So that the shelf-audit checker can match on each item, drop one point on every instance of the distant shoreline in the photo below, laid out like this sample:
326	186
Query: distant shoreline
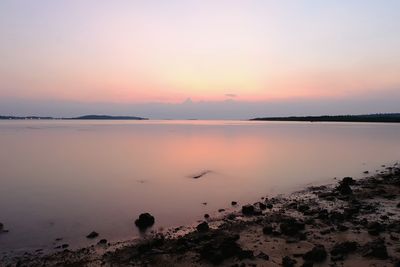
85	117
388	118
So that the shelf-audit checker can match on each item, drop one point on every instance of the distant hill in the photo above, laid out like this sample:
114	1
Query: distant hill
86	117
388	117
105	117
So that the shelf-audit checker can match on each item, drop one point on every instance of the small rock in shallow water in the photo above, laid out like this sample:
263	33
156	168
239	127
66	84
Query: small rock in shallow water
144	221
202	227
102	242
344	189
92	235
288	262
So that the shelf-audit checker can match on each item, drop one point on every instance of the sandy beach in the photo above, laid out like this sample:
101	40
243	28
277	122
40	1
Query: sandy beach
354	222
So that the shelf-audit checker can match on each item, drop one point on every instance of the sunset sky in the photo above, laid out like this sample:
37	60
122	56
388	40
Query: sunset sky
149	57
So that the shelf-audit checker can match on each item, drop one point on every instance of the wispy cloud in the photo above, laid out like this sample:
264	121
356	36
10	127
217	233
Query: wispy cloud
231	95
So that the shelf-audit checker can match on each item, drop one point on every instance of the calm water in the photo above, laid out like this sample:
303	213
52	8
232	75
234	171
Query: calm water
67	178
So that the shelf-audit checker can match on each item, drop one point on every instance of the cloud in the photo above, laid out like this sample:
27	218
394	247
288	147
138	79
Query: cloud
230	95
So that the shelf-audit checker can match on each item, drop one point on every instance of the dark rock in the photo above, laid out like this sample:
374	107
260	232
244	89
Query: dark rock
248	210
323	214
233	203
223	247
262	206
263	256
221	210
144	221
92	235
303	208
344	189
336	216
317	254
64	246
206	216
268	229
270	206
375	249
342	228
307	264
366	172
348	181
231	216
326	231
102	242
338	257
374	228
384	217
1	227
288	262
398	205
202	227
344	248
291	226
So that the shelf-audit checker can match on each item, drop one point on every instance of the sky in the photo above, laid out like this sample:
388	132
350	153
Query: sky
199	59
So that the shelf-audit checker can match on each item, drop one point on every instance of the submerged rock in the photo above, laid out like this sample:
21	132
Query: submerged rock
92	235
144	221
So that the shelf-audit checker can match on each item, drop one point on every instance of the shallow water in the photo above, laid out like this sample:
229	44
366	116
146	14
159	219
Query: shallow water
67	178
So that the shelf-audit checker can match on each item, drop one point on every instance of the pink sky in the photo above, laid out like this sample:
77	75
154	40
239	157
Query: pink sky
139	52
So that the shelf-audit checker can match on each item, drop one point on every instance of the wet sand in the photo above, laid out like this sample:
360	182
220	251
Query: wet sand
355	222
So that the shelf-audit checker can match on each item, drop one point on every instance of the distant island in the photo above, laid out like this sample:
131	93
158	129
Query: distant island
85	117
384	117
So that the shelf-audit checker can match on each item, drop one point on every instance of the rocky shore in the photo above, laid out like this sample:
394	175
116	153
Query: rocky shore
355	222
